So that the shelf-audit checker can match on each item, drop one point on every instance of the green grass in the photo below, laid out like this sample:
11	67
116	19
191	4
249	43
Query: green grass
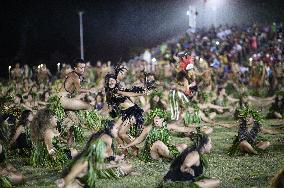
239	171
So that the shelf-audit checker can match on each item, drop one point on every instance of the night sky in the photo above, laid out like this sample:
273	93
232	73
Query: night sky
40	31
36	30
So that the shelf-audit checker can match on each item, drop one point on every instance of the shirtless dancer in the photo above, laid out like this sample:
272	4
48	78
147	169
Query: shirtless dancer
71	87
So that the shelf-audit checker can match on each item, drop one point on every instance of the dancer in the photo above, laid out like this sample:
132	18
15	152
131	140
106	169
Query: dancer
157	137
180	95
21	136
71	93
121	105
96	160
189	165
247	140
47	151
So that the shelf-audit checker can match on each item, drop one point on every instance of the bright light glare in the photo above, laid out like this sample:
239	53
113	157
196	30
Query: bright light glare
187	12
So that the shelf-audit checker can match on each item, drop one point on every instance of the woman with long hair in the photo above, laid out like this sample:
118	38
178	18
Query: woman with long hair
157	137
121	105
190	164
48	149
97	159
21	137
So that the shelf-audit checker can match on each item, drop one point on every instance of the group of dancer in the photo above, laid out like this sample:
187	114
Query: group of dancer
46	136
129	114
128	129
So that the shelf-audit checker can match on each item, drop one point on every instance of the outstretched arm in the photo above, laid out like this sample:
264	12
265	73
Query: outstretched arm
78	88
140	138
130	94
231	99
180	129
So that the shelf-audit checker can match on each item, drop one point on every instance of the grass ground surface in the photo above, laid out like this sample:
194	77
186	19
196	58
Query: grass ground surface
240	171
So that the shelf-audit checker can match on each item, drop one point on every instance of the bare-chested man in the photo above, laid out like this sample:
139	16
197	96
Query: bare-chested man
43	74
72	86
17	73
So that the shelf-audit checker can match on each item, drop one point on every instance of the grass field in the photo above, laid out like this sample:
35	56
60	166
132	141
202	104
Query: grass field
238	171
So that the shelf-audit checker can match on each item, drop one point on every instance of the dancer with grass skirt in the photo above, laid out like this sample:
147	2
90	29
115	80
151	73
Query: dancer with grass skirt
121	105
48	150
9	176
21	135
71	93
97	160
248	140
189	165
157	137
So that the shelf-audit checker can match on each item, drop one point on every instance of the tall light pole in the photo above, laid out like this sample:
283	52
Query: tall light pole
192	13
81	34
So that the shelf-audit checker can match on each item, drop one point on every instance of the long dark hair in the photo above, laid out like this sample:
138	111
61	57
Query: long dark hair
200	140
109	124
40	123
109	91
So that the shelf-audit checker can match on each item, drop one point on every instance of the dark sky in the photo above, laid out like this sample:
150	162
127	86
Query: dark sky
35	31
38	29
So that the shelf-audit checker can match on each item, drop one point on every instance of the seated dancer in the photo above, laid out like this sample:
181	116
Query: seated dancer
8	174
71	87
121	105
97	158
44	136
181	94
157	137
190	164
247	140
21	136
